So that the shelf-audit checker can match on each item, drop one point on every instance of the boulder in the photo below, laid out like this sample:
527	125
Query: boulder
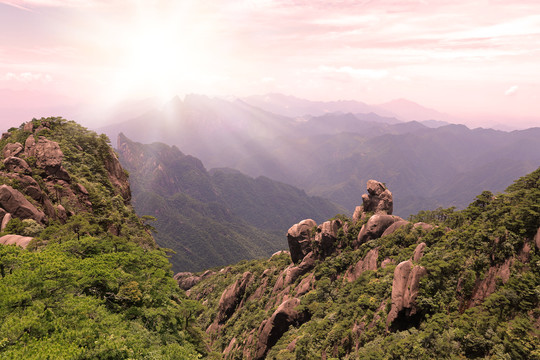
395	226
293	273
5	220
18	165
30	146
369	262
299	238
49	158
29	127
232	296
187	280
12	149
61	213
404	290
537	238
424	226
375	227
418	252
326	237
18	240
272	329
378	200
15	203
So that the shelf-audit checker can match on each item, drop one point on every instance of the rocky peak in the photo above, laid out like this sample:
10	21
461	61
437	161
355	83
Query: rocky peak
378	200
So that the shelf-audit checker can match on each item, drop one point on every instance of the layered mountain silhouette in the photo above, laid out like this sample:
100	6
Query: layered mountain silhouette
212	218
335	147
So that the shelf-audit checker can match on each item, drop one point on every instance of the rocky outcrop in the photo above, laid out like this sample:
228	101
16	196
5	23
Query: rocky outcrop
117	175
232	296
12	149
187	280
537	238
5	220
17	165
272	329
299	238
15	203
325	241
378	200
369	262
375	227
404	291
30	146
292	273
394	227
18	240
49	158
488	284
418	252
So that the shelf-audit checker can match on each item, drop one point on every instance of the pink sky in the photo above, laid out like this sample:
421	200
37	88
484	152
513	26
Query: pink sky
474	59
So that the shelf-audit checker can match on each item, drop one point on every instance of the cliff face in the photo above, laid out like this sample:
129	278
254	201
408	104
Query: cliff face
446	283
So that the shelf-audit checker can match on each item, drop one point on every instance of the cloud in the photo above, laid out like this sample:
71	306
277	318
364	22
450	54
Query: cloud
29	4
511	90
27	77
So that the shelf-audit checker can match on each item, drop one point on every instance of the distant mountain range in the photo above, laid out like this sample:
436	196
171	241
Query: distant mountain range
333	148
212	218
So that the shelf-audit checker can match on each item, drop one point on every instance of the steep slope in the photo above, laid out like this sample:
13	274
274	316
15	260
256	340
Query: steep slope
446	284
212	218
83	278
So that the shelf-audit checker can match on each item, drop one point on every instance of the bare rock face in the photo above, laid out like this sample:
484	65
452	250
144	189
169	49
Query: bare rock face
487	285
117	175
326	237
272	329
49	158
232	296
368	263
12	149
187	280
537	239
28	127
394	227
30	146
5	220
18	240
293	273
375	227
15	203
18	165
299	238
419	252
404	291
378	199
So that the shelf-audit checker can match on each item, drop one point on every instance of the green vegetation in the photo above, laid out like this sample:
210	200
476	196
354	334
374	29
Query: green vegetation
212	218
93	285
455	318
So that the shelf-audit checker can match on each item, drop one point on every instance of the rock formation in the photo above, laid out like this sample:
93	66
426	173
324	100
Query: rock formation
404	291
231	297
15	203
299	238
272	329
325	241
18	240
378	200
375	227
369	262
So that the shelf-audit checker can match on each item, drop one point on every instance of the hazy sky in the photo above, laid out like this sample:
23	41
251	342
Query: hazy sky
457	56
